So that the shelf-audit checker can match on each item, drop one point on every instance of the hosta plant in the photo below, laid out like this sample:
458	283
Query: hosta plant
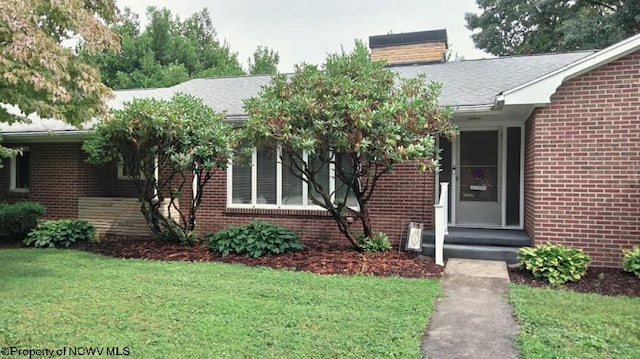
556	264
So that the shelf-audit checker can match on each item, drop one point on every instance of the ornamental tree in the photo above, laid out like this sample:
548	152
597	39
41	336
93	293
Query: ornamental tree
180	140
39	74
355	116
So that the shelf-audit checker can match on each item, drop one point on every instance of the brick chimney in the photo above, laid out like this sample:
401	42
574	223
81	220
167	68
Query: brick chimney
412	48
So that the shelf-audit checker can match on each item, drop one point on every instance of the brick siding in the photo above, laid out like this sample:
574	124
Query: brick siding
582	171
59	175
411	53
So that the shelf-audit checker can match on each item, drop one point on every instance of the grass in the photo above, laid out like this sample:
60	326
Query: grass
54	298
564	324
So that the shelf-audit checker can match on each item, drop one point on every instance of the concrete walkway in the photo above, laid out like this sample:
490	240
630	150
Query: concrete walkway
473	318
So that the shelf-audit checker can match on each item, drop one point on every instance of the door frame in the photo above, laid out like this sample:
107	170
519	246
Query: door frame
502	127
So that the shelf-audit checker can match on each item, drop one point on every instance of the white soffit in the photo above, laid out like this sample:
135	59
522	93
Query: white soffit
540	90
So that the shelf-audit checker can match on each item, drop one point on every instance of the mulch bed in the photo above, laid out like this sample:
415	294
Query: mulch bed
605	281
322	257
336	257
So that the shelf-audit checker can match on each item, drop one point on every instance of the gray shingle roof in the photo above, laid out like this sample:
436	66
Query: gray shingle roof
465	83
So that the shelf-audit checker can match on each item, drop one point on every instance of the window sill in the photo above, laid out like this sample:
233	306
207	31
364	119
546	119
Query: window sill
309	212
19	192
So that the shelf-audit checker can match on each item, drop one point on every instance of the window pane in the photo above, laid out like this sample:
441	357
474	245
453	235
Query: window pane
291	185
241	183
322	178
342	189
266	177
22	170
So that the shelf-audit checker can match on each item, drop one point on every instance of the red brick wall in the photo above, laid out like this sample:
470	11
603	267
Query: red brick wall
583	163
401	197
59	175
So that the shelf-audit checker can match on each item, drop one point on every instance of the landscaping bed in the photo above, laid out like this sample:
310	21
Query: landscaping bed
322	257
605	281
336	257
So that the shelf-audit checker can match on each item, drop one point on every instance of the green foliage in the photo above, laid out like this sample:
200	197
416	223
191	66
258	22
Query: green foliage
631	261
42	76
255	239
377	243
264	61
556	264
167	52
183	137
351	112
17	220
61	233
512	27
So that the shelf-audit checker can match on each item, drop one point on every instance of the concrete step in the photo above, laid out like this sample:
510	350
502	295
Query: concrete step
492	253
472	243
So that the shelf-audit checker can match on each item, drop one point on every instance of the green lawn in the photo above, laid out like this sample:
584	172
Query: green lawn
54	298
563	324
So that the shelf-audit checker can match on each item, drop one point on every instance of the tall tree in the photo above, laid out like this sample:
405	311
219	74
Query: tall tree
168	51
511	27
39	74
264	62
352	114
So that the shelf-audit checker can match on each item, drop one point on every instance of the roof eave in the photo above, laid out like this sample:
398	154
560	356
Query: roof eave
539	91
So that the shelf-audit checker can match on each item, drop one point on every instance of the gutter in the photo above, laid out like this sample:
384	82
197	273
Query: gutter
45	136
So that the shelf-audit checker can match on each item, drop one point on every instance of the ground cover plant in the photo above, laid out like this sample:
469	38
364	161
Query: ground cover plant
55	298
566	324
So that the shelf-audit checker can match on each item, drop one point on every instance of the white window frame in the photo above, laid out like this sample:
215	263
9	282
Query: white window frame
123	176
14	173
306	203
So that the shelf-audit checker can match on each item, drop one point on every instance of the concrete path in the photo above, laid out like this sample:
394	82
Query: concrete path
473	318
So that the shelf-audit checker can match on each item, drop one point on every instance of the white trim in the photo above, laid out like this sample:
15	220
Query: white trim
305	206
502	181
279	176
254	177
13	172
540	90
522	149
124	177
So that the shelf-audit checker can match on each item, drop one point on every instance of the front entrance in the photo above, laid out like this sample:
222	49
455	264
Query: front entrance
477	192
484	168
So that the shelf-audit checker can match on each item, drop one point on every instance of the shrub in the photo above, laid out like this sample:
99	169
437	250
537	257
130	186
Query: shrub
377	243
631	261
255	239
17	220
556	264
61	233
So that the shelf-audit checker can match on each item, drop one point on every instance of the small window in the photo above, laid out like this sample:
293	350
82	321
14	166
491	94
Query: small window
20	171
123	174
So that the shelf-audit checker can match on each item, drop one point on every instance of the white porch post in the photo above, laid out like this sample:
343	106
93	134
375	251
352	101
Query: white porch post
441	210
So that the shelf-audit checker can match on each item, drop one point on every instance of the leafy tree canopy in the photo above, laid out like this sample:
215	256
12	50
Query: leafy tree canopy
169	51
39	75
355	115
183	137
512	27
265	61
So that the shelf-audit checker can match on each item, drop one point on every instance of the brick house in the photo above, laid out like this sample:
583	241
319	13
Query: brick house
549	150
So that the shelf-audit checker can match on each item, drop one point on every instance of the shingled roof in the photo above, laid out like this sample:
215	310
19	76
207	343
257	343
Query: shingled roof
465	84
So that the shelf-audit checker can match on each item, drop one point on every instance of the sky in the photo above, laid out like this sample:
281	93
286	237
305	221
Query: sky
306	31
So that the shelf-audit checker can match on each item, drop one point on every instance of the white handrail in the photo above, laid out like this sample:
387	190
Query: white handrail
441	222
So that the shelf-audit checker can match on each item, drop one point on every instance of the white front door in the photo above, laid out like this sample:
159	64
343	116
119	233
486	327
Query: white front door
478	178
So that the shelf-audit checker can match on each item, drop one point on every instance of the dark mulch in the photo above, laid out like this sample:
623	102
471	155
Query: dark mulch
605	281
336	257
322	257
